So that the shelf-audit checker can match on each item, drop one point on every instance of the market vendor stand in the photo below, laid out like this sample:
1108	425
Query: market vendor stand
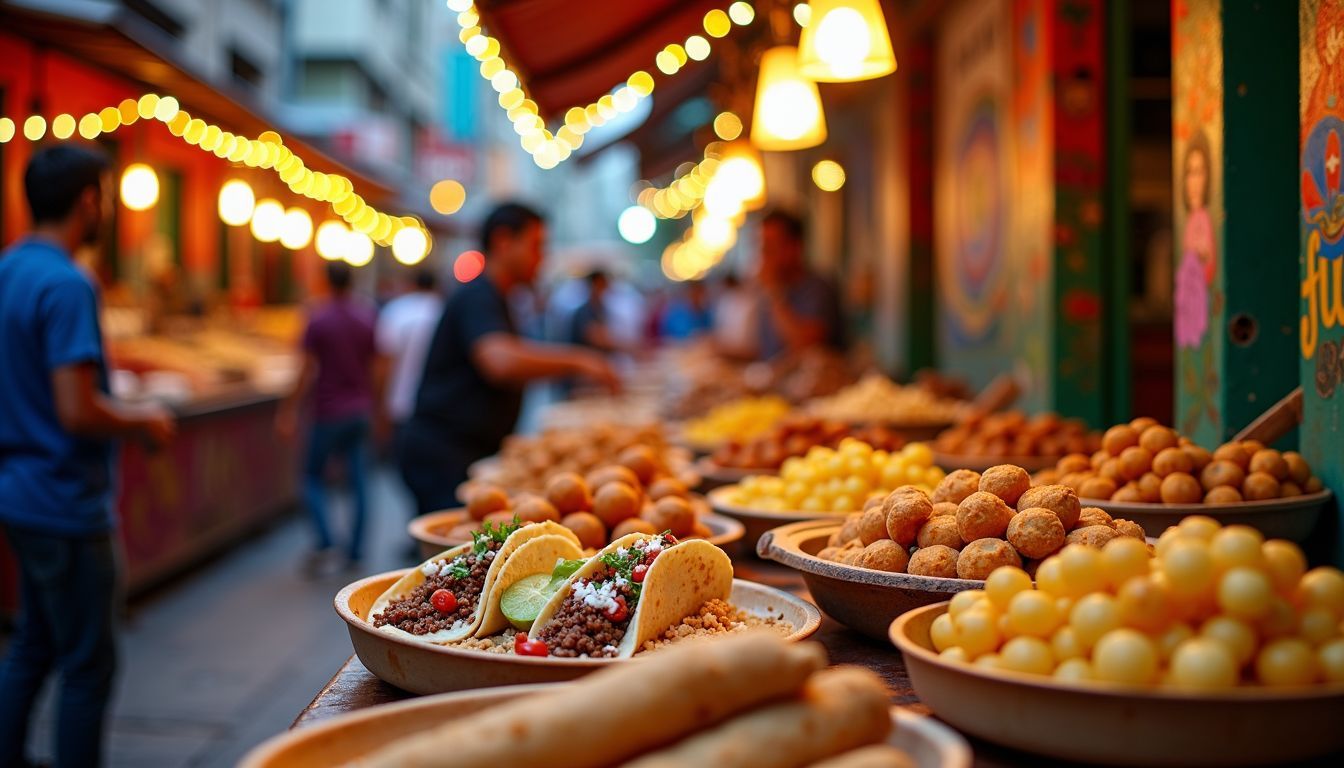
353	687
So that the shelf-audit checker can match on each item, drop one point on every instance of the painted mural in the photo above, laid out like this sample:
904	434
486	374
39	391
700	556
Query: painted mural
1197	112
973	178
1321	325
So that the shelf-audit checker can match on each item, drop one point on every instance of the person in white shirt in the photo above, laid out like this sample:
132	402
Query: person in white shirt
405	327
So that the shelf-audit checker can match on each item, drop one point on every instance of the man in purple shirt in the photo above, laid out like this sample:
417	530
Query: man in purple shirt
338	371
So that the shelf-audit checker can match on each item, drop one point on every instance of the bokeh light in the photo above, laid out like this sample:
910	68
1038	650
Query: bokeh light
297	231
447	197
468	266
828	175
236	201
636	225
139	187
268	220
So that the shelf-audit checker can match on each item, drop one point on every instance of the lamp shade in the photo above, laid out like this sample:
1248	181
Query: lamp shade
845	40
788	112
741	167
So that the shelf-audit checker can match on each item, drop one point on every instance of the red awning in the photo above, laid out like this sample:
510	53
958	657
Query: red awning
570	54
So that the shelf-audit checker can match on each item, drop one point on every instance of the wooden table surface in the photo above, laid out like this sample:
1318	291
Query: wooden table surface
353	687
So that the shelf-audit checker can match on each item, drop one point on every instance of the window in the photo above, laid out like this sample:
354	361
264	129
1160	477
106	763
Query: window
244	70
155	15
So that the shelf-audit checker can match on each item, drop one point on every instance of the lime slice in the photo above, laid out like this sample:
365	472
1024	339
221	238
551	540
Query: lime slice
522	601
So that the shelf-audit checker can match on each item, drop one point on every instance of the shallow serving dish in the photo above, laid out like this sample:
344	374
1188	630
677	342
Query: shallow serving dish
431	531
1120	725
1292	518
951	461
421	667
337	741
758	521
860	598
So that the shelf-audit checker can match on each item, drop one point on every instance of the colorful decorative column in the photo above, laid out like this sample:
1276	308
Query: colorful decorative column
1233	68
1321	298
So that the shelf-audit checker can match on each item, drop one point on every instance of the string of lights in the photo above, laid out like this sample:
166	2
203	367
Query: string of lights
550	149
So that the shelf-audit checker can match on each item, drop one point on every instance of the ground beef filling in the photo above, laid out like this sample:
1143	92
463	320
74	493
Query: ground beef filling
579	629
416	615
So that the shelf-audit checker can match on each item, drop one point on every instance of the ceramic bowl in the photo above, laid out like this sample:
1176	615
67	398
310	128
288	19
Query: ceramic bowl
1120	725
860	598
1292	518
346	738
431	531
421	667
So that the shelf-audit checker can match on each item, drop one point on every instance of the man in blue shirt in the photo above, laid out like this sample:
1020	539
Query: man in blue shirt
57	422
801	310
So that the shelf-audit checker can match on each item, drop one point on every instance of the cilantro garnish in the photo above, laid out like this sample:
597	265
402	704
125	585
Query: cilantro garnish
489	532
459	570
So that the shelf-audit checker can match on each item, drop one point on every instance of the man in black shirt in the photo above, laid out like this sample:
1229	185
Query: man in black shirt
472	387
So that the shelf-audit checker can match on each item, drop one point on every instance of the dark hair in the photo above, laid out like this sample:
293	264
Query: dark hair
1198	142
791	224
57	176
597	275
339	276
512	217
426	279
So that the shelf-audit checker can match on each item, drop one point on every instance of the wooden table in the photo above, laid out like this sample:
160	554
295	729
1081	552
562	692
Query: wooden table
353	687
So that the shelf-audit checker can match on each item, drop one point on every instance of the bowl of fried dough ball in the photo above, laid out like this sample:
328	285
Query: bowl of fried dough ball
911	548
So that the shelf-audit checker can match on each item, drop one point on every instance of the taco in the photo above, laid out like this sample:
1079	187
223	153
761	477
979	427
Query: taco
631	592
455	594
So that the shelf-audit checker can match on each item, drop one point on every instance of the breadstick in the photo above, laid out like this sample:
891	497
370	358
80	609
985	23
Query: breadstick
838	710
876	756
616	714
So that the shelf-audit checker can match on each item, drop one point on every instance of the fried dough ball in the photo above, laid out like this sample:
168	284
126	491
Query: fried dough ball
641	460
979	558
938	560
872	526
613	473
1272	463
907	508
873	500
1098	488
1234	453
1094	516
981	516
1223	494
1199	457
672	514
1130	529
1094	536
535	509
1150	488
1181	488
828	553
1118	438
851	553
632	525
849	530
589	529
1259	486
1059	499
701	531
1221	472
1074	462
939	530
1251	447
1298	469
1156	438
1170	460
884	555
1129	492
957	485
944	508
1289	489
1142	423
1112	470
1313	485
486	499
1035	532
615	502
668	486
1006	481
1073	480
1098	458
568	493
1135	460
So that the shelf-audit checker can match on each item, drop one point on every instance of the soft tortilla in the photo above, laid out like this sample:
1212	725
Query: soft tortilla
537	555
415	577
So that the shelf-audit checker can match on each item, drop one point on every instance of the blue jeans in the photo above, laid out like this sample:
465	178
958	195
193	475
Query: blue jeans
68	587
346	438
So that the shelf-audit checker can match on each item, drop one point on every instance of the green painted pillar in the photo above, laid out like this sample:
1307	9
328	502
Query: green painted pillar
1235	123
1320	323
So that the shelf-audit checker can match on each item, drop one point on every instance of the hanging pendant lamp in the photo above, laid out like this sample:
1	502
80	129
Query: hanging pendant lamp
788	113
844	41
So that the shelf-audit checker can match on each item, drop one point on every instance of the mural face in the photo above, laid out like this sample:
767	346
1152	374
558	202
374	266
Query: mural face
1197	111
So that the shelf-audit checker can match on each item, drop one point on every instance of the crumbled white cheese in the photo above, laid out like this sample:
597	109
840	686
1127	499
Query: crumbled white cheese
654	544
609	648
602	597
490	554
622	551
430	568
621	581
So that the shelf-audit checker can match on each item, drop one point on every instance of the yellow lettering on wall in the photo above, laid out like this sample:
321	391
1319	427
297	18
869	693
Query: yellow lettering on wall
1323	289
1310	324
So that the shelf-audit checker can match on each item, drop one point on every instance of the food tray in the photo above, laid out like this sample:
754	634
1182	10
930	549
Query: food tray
1292	518
860	598
431	531
1120	725
348	737
421	667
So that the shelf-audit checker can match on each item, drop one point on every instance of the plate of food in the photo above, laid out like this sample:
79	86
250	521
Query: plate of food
913	549
1200	661
1155	476
982	440
528	462
520	604
748	700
